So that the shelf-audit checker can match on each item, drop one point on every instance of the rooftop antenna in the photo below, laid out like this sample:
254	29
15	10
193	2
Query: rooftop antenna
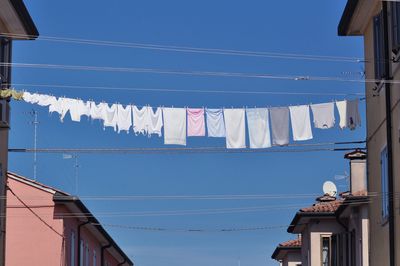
76	166
330	188
35	124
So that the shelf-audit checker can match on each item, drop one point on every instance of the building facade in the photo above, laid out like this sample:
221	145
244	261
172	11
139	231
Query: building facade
15	24
378	22
288	253
335	231
46	226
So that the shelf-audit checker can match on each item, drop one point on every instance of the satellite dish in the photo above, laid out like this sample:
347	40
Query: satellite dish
329	188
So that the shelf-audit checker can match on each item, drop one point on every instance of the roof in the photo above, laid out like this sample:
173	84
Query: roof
282	248
353	200
16	22
330	206
344	23
356	155
320	210
61	197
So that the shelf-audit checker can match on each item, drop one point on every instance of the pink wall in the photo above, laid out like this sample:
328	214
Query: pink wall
29	241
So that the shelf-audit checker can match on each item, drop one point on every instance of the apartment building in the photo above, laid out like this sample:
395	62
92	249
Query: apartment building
288	253
335	230
378	22
46	226
15	24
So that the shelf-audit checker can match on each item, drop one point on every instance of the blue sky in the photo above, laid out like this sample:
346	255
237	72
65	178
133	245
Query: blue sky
303	27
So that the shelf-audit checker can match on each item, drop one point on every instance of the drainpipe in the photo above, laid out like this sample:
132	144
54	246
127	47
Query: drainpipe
389	133
79	241
103	248
122	263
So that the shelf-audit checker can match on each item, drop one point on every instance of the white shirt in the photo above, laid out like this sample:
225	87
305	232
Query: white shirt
235	128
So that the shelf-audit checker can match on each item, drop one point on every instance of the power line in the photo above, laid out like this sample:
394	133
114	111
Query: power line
173	150
185	90
185	49
190	72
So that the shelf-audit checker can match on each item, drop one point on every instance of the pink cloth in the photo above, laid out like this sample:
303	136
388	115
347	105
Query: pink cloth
196	125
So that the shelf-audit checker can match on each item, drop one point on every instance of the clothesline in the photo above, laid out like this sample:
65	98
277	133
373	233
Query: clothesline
266	127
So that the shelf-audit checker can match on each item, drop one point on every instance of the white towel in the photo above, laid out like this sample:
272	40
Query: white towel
124	118
215	123
30	97
154	122
280	125
174	126
324	115
301	122
258	125
342	109
235	128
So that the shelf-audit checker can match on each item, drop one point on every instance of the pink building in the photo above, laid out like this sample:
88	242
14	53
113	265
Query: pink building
45	226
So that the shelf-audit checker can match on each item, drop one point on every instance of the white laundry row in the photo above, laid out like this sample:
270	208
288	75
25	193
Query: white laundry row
266	127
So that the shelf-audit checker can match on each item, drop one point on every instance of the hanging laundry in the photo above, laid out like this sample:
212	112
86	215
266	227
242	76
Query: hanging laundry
30	97
324	115
174	126
235	128
301	122
280	125
56	106
258	125
11	93
45	100
110	116
124	118
349	114
97	110
342	109
76	109
196	124
140	120
215	123
155	122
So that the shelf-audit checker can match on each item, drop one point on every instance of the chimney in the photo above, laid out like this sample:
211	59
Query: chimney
358	171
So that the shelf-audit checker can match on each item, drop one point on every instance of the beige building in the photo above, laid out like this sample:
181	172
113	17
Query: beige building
288	253
378	22
15	24
335	231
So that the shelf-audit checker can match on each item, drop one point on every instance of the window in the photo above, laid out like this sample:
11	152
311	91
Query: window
395	10
379	48
94	258
330	250
384	184
72	246
326	251
82	250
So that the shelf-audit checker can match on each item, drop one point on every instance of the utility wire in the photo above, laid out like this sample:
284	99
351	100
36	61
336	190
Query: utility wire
191	73
184	90
185	49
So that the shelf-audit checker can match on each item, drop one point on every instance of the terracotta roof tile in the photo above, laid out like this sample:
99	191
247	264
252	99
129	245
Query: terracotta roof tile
330	206
291	243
